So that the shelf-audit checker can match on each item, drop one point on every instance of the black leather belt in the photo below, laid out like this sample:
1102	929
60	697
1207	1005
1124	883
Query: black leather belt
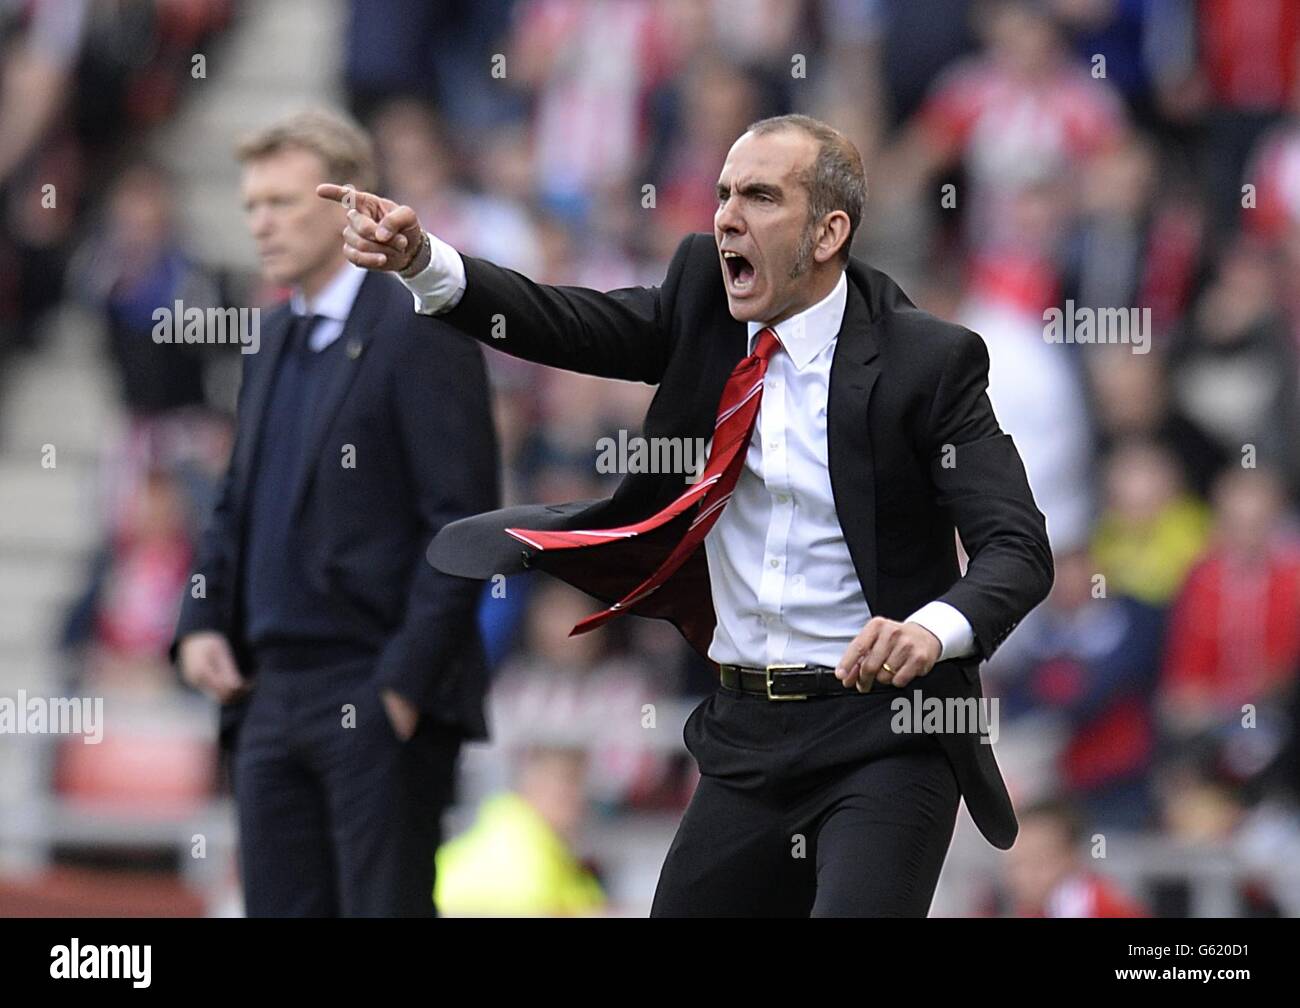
786	682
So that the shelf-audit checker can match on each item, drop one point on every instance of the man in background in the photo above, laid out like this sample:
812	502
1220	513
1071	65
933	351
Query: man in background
1047	875
518	857
349	670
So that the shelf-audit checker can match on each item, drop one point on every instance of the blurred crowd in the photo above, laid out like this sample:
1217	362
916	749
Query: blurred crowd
1022	154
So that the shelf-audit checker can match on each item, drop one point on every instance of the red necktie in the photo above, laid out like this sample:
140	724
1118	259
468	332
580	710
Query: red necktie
737	413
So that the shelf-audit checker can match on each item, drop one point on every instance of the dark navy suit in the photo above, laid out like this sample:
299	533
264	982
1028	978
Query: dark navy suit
347	462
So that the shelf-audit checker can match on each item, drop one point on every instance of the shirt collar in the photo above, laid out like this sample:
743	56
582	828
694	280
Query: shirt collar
335	299
805	335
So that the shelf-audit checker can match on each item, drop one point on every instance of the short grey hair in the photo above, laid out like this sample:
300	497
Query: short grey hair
342	145
836	180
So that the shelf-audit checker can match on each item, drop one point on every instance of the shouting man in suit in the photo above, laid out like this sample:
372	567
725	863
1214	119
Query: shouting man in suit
814	561
348	668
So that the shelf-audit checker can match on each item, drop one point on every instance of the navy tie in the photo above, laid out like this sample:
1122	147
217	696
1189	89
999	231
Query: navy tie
300	330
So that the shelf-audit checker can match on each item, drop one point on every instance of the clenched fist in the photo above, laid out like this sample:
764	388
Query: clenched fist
208	664
909	649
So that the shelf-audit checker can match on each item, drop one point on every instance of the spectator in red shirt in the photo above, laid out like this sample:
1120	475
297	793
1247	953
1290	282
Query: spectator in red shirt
1235	628
1047	875
1248	52
1020	114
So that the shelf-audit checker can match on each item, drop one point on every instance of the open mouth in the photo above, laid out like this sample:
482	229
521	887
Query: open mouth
740	271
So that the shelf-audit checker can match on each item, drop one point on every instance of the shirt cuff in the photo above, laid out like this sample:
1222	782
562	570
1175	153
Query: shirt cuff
956	637
438	287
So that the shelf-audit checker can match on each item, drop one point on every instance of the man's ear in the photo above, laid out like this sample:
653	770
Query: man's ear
834	235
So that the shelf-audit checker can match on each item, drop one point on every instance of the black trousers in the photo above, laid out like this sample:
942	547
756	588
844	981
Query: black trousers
337	817
811	807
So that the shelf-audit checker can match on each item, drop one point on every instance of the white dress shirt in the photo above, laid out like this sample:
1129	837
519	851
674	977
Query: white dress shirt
783	583
437	287
333	304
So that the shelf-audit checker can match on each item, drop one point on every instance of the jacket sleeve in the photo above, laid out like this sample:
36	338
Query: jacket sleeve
443	418
982	485
622	333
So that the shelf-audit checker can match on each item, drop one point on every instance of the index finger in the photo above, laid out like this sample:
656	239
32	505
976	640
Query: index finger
858	647
352	198
330	191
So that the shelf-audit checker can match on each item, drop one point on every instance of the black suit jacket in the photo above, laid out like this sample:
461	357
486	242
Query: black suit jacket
914	450
412	400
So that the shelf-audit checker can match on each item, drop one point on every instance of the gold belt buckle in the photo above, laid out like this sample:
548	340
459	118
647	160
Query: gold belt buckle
783	696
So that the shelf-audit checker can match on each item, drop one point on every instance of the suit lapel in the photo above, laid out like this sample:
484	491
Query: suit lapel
854	371
352	345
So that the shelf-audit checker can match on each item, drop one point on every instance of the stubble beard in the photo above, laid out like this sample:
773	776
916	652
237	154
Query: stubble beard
803	254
